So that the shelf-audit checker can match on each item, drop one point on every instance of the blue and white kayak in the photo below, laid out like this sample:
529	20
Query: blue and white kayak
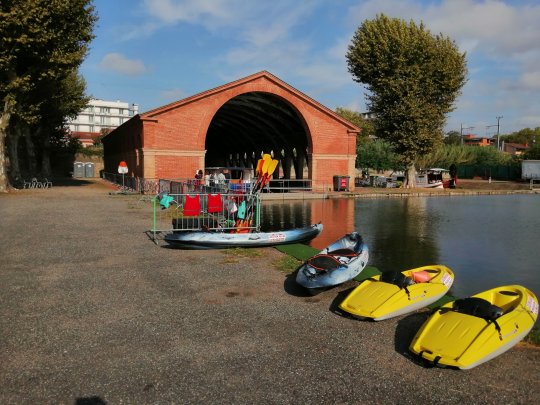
339	262
222	240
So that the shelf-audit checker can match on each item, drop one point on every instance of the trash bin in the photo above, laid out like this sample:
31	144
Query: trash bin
341	183
78	169
88	169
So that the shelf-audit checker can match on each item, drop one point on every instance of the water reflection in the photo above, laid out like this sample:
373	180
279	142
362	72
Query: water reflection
398	228
487	240
336	215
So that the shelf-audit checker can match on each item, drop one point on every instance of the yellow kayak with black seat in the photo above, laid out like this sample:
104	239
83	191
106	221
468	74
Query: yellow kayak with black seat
468	332
396	293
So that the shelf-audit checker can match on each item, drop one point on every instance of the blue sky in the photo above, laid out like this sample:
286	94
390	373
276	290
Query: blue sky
153	52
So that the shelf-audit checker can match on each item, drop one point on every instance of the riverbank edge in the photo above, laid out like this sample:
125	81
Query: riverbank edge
390	193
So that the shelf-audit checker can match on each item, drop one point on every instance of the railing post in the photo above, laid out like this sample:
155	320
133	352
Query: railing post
154	218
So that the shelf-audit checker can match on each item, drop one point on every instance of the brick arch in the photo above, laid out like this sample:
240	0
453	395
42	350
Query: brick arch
255	122
174	135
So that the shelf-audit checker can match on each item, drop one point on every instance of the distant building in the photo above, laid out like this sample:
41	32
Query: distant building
99	115
472	140
514	148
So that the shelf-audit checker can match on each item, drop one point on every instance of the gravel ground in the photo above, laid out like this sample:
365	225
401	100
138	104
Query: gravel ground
93	312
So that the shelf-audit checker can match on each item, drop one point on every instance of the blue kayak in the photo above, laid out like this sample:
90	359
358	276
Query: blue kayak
339	262
223	240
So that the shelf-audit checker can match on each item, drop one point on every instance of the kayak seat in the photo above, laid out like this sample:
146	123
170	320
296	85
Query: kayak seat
357	238
478	307
343	252
396	278
322	262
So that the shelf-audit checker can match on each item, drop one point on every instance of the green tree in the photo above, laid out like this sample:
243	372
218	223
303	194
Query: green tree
367	130
452	138
523	136
533	153
367	127
413	79
42	42
378	155
446	155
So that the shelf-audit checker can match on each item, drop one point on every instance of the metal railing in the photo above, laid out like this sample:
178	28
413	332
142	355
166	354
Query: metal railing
200	186
184	185
289	185
229	213
133	184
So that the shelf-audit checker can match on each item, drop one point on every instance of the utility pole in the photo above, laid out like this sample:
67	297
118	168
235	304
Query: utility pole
498	130
462	128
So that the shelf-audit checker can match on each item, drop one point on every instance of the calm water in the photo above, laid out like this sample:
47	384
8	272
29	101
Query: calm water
487	241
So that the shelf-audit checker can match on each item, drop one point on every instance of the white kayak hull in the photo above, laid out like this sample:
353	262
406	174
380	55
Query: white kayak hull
222	240
348	268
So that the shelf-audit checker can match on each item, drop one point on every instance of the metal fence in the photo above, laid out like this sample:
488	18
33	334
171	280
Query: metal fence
228	212
183	185
180	186
486	172
133	184
289	185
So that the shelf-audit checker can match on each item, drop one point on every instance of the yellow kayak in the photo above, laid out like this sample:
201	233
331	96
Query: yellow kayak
392	294
468	332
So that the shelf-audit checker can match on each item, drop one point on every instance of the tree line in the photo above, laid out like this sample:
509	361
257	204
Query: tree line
379	154
413	78
42	45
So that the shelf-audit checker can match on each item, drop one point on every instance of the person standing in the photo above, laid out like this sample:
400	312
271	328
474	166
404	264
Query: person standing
198	179
221	180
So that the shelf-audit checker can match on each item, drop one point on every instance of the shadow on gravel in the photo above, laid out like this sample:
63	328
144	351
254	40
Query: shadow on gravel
334	305
291	287
405	330
90	401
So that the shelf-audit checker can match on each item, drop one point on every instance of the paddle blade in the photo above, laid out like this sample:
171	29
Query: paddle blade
260	163
267	156
265	166
269	172
272	167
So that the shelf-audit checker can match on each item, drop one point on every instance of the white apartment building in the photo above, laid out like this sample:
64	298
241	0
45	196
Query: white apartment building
100	114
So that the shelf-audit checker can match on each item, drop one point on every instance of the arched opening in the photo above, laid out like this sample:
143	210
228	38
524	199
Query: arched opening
254	123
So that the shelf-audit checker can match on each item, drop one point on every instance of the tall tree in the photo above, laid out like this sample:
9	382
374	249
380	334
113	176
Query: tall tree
378	155
525	135
41	43
366	130
453	138
366	126
412	78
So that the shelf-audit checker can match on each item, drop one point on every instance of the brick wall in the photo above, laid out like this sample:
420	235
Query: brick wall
174	135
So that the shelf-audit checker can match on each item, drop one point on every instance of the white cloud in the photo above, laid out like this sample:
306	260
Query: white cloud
206	12
492	26
138	31
117	62
172	94
501	39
